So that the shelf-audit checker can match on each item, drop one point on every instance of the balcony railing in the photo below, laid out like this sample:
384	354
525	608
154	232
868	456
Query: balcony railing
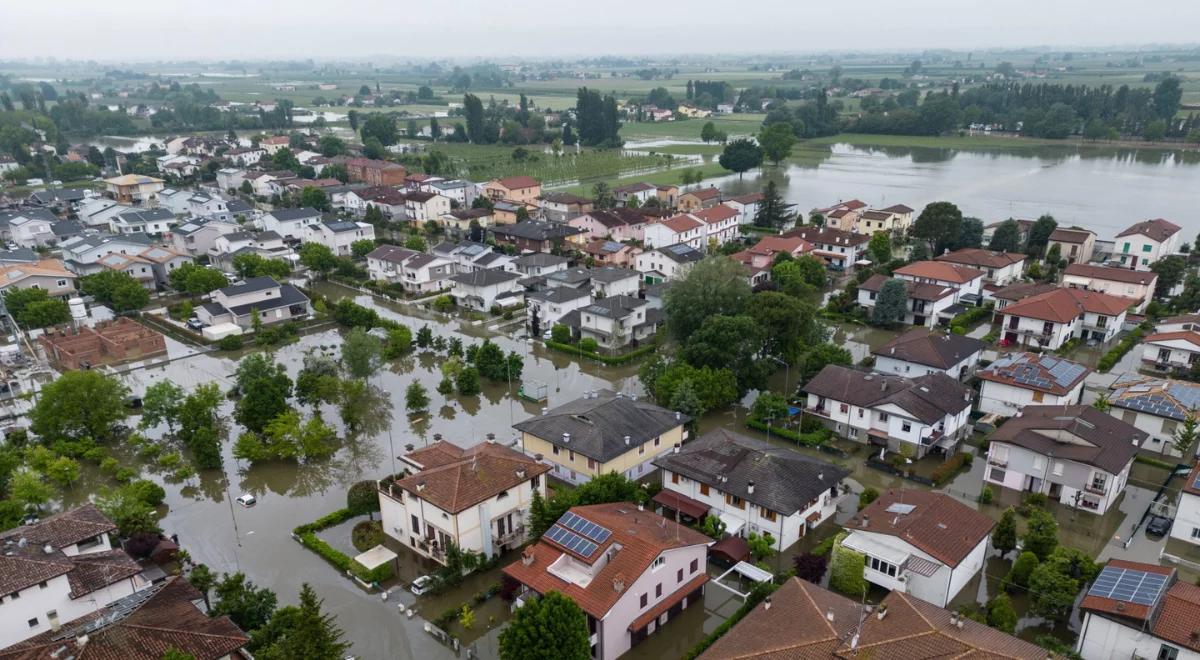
998	462
511	536
1096	490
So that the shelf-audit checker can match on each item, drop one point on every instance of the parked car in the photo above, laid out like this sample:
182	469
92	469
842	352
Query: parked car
421	585
1158	526
547	335
247	500
194	323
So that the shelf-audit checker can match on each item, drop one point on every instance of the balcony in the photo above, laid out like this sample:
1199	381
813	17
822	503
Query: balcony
1095	490
932	438
998	462
820	411
513	536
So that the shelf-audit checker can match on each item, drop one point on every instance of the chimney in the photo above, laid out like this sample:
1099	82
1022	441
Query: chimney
618	583
829	615
491	438
767	603
750	488
866	520
677	415
545	410
420	486
527	556
627	439
967	395
566	438
954	618
820	476
881	613
48	549
81	641
641	507
521	473
437	437
676	449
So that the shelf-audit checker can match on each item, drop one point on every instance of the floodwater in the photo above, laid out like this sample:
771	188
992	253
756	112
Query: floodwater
1103	189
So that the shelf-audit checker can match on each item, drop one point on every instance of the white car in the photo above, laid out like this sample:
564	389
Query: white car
421	585
247	500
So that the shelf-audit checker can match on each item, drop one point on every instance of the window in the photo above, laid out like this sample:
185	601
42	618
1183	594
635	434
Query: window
905	426
882	566
1168	426
591	464
1058	468
1166	652
641	449
734	501
416	525
42	585
1099	480
556	450
860	413
502	494
674	477
766	513
998	474
658	590
16	595
656	440
1196	533
1147	248
1126	248
843	407
694	566
883	417
658	563
536	482
33	623
642	601
1038	396
571	456
704	489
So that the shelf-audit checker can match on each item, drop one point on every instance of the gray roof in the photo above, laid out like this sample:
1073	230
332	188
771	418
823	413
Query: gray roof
147	215
391	253
540	259
18	255
784	481
238	206
615	307
536	231
571	276
96	240
927	398
32	214
485	277
66	228
339	226
288	295
251	285
681	253
559	294
930	348
1111	443
612	274
283	215
597	427
58	194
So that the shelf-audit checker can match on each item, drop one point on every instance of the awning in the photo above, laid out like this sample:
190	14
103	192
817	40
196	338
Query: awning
733	548
682	503
375	557
922	566
813	517
733	523
879	550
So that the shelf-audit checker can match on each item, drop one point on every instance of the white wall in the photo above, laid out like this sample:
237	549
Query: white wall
1187	519
36	602
1008	400
1105	638
890	365
614	631
1059	333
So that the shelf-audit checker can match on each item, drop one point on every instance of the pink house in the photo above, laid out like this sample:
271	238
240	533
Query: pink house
613	224
611	253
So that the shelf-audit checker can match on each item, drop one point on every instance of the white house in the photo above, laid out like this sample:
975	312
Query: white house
631	571
98	211
921	414
1074	454
1136	285
417	272
1016	380
273	302
1135	610
486	288
967	282
746	207
28	228
669	262
999	268
926	304
1187	510
615	322
148	221
925	544
1156	406
546	308
339	235
291	223
679	229
754	487
840	249
421	206
60	569
640	191
231	178
1174	344
469	257
196	237
720	224
81	254
477	499
1050	319
921	351
1146	242
538	264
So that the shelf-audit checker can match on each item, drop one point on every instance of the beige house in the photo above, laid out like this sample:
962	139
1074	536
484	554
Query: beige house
519	189
1136	284
48	274
602	432
133	188
1075	245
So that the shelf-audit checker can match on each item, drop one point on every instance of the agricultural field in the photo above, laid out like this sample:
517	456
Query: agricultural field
484	162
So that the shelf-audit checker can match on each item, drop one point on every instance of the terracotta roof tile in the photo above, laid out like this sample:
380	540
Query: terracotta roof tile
939	524
704	194
940	271
1125	275
716	213
931	348
682	223
1157	229
1065	305
1023	369
480	473
1190	336
1179	618
982	258
518	182
1071	235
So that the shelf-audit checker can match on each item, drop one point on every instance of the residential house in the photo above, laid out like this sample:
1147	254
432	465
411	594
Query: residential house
339	235
901	626
926	304
682	229
274	143
1023	227
698	199
508	213
1074	454
174	199
544	309
516	189
59	569
1076	245
133	265
134	189
420	206
615	322
1178	349
842	216
611	253
486	288
244	157
604	282
29	227
18	256
761	257
966	282
155	221
469	257
1186	527
477	499
721	224
602	432
924	544
1136	610
97	211
237	304
668	196
895	220
753	486
80	255
536	235
266	244
538	264
1133	284
48	275
999	268
1156	406
230	178
1146	242
746	207
1002	297
463	192
629	570
918	415
467	223
163	261
196	237
417	272
62	198
1016	380
618	224
840	249
261	182
921	351
205	205
641	191
65	230
291	223
667	263
1051	319
391	202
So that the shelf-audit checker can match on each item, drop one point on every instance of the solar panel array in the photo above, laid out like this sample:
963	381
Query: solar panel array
571	541
613	246
1043	372
1129	585
586	527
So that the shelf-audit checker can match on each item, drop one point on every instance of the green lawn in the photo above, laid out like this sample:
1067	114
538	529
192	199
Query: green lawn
734	125
483	162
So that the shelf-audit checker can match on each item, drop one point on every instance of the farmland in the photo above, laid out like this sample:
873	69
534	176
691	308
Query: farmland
483	162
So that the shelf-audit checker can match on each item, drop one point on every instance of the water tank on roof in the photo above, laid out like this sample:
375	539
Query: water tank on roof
78	310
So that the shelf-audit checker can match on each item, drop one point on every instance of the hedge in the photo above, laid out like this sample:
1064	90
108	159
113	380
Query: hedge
1113	356
307	535
813	439
971	316
951	467
611	361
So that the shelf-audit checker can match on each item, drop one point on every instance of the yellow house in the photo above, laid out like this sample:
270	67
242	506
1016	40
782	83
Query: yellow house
133	188
519	189
602	432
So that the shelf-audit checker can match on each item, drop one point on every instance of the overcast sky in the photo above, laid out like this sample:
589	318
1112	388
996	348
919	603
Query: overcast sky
228	29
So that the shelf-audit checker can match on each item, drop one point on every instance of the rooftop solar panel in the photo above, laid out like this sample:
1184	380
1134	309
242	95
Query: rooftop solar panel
571	541
1129	585
586	527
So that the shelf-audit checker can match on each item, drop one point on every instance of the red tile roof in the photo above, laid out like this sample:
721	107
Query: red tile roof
1125	275
982	258
518	182
642	536
717	213
1064	305
1189	336
940	271
939	524
899	209
1178	619
682	223
1157	229
483	471
704	194
1071	235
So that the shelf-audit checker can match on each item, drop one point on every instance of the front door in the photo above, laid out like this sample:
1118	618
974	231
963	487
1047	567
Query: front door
1055	492
1010	337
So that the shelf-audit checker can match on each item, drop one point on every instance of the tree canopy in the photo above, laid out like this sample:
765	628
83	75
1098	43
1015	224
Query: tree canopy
552	627
78	405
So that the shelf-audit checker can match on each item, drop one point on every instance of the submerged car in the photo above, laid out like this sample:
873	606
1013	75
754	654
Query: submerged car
247	500
421	585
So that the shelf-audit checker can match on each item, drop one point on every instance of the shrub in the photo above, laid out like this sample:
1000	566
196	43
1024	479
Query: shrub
362	498
1114	355
811	567
866	497
846	571
146	492
949	468
366	535
811	439
822	549
986	495
588	344
1022	568
230	343
560	333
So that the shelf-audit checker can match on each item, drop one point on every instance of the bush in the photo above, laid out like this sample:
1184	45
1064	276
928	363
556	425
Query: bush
846	571
986	495
866	497
230	343
949	468
560	333
362	497
146	492
588	344
812	439
609	360
1018	575
366	535
822	549
1113	356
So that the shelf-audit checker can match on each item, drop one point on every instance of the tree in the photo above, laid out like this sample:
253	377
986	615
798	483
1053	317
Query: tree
1022	568
1055	583
1039	234
314	197
318	257
1006	237
253	265
362	353
846	570
33	308
29	488
361	248
769	405
202	578
777	141
811	567
880	247
78	405
787	324
971	234
363	497
715	285
729	342
129	512
199	426
161	404
891	304
939	225
866	497
197	280
552	627
1185	435
248	606
1001	615
1004	537
416	399
467	381
602	196
381	127
772	210
303	631
117	289
708	132
1041	533
265	388
1154	130
1170	270
741	155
